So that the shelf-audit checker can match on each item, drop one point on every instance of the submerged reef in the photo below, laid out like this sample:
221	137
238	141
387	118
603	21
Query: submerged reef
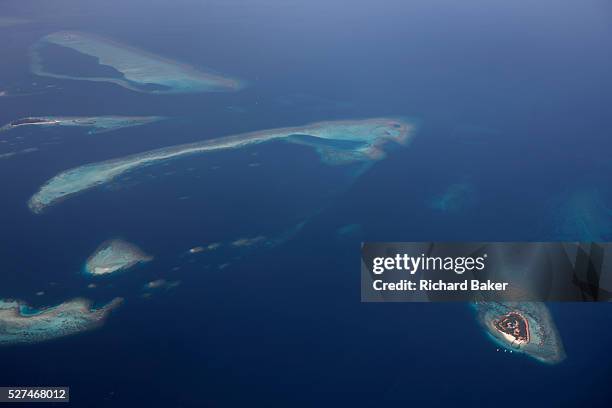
456	197
583	215
337	142
18	152
141	71
115	255
161	284
247	242
97	124
350	233
20	324
523	327
200	248
12	21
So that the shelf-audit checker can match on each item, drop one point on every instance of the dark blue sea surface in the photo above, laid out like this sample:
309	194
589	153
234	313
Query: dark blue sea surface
512	100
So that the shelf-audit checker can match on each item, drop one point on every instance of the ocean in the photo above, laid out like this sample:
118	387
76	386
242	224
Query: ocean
512	102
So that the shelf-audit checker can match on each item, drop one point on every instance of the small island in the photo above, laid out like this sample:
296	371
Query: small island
522	327
514	327
113	256
96	124
30	121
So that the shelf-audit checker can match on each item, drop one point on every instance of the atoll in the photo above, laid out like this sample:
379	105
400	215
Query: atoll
337	142
20	324
114	255
141	71
522	327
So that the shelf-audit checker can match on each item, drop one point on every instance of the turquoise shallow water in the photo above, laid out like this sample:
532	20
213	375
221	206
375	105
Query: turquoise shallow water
512	99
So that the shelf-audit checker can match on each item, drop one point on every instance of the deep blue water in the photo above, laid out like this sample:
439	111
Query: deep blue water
512	98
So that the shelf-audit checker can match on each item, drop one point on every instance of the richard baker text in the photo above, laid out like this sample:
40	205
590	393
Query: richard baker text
439	285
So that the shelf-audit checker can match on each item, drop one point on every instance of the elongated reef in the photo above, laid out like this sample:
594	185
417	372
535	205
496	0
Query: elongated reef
97	124
336	142
140	70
